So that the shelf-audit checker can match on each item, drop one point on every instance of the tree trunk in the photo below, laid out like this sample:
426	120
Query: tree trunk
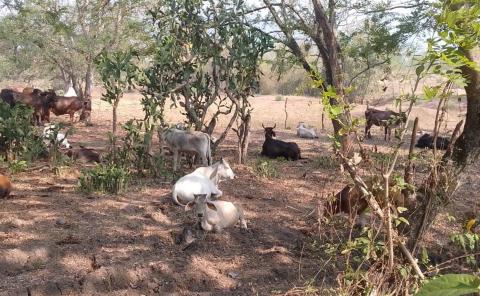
244	139
114	127
88	82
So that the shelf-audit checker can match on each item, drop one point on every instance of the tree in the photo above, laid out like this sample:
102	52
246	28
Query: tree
307	32
206	59
69	36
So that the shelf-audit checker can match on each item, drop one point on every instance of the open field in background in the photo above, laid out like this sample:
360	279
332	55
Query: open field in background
55	241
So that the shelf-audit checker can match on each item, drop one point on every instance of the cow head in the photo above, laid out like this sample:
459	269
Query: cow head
199	205
269	132
86	110
224	171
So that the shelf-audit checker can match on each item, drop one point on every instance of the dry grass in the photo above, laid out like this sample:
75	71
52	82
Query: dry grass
54	241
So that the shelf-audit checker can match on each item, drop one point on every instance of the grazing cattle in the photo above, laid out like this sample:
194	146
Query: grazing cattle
69	105
388	119
216	215
85	155
48	134
40	101
203	180
273	148
426	141
5	186
303	131
190	142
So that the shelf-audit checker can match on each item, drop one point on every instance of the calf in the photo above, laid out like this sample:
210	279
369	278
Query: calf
426	141
85	155
5	186
388	119
305	132
70	105
273	148
216	215
191	142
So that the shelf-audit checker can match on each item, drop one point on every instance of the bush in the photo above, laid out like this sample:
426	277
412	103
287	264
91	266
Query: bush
104	178
278	98
325	162
18	138
266	168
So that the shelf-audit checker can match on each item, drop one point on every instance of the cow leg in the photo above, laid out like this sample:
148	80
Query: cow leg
368	126
175	160
204	158
71	117
386	130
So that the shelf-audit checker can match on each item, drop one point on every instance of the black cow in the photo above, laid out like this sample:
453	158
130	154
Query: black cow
426	141
273	148
388	119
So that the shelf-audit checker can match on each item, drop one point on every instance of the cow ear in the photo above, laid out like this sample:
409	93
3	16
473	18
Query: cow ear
211	206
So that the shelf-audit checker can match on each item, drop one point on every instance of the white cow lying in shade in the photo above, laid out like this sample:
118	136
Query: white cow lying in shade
216	215
303	131
204	180
48	132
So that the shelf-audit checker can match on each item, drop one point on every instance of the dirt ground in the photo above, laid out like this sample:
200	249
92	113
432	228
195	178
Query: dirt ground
55	241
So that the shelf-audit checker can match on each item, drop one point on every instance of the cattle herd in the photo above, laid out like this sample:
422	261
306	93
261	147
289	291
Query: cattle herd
199	190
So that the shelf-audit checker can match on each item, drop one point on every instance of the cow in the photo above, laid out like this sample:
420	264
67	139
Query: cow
69	105
388	119
85	155
190	142
61	140
5	186
40	102
203	180
426	141
303	131
273	148
216	215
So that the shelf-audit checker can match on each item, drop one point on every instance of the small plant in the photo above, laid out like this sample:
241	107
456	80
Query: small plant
325	162
104	178
265	168
279	98
470	243
17	166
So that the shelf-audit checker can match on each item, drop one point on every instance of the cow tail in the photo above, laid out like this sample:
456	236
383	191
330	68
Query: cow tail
209	151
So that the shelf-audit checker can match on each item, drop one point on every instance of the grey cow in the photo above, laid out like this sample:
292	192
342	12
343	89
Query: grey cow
190	142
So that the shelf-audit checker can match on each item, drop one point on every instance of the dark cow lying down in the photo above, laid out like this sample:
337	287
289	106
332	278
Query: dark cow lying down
426	141
273	148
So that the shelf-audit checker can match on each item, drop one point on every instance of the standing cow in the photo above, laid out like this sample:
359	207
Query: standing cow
38	100
388	119
69	105
273	148
190	142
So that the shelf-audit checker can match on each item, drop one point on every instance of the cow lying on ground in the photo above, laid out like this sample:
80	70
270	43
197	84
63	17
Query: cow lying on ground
388	119
38	100
216	215
190	142
5	186
273	148
350	201
203	180
426	141
85	155
70	105
303	131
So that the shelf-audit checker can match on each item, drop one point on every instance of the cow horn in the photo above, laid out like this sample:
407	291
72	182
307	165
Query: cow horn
275	125
263	125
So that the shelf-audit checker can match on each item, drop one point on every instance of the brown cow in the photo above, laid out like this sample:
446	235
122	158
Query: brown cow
38	100
5	186
70	105
388	119
85	155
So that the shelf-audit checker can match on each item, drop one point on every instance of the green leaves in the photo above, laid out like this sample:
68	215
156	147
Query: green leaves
451	285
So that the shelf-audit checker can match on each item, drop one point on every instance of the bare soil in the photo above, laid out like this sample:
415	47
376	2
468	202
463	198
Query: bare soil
55	241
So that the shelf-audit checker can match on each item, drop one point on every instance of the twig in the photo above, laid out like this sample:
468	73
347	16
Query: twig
410	259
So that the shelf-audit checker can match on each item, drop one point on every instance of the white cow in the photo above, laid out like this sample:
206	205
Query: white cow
306	132
191	142
216	215
48	132
203	180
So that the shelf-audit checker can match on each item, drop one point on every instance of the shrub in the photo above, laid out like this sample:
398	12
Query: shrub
278	98
325	162
104	178
265	168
